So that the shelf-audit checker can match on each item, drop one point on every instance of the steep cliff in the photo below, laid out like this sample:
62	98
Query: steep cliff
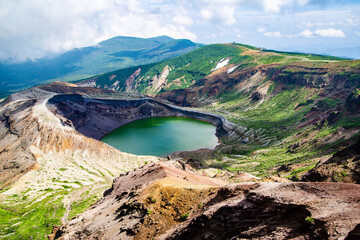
95	117
343	166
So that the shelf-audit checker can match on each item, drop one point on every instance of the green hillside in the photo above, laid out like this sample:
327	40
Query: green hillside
286	103
187	69
115	53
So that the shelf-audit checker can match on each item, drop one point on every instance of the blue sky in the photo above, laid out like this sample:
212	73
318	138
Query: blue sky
37	28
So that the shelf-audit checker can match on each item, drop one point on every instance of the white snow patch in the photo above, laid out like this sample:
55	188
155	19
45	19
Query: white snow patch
222	63
230	70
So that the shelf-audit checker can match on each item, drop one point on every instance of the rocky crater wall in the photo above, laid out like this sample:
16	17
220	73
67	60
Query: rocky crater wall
97	117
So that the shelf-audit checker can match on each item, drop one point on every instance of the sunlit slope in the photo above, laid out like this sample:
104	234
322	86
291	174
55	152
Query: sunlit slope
185	70
292	108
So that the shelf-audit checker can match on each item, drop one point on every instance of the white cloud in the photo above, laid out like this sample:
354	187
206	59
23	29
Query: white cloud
222	13
227	14
329	32
277	5
272	34
262	29
307	33
33	29
268	5
206	14
357	33
355	21
319	24
183	20
216	35
238	35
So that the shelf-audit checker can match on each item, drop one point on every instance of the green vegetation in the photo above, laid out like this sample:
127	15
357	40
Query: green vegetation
272	59
309	220
81	205
151	200
279	112
24	217
279	122
327	103
188	69
31	220
357	92
184	216
307	55
245	45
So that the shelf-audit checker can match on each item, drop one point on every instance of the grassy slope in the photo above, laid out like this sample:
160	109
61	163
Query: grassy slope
32	219
197	64
284	118
279	118
191	66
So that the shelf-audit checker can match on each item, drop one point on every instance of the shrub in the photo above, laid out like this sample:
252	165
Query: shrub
309	220
184	216
151	200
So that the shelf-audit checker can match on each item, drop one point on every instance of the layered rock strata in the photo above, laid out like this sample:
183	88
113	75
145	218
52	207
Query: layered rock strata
96	117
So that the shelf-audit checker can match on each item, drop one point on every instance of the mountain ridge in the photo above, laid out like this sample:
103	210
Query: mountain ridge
111	54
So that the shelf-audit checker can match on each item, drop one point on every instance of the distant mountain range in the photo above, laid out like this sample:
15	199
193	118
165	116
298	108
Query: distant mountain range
352	52
115	53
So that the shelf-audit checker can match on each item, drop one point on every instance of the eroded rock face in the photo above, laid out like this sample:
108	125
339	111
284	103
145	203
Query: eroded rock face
343	166
167	201
130	80
277	211
353	103
17	131
143	204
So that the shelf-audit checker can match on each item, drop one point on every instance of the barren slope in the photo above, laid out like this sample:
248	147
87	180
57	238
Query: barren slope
163	202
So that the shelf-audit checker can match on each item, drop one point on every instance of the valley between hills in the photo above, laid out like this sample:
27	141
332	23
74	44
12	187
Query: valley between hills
286	167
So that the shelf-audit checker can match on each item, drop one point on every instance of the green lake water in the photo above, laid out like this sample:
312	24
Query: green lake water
162	136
